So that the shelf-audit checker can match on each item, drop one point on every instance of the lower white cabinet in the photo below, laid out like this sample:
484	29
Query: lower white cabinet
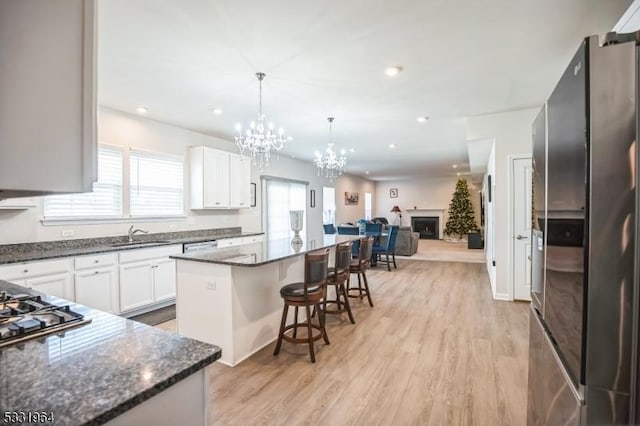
59	285
54	277
147	277
98	288
136	285
164	280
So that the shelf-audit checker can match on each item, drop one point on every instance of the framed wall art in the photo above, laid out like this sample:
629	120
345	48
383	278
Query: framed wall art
393	193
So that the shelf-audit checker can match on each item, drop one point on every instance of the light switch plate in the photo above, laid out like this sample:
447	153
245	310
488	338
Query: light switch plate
67	233
211	285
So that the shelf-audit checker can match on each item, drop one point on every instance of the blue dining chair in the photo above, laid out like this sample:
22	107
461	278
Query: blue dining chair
329	228
348	230
388	249
373	229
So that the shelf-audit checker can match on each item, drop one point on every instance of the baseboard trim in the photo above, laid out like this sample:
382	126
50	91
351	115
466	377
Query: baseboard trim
502	296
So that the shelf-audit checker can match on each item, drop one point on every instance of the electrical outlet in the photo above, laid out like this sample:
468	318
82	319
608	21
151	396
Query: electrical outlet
211	285
191	220
173	227
67	233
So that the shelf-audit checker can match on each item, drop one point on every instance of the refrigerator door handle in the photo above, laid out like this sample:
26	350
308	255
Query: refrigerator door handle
522	237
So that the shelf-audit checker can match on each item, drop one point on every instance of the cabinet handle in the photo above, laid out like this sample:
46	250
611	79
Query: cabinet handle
96	272
25	271
96	261
217	203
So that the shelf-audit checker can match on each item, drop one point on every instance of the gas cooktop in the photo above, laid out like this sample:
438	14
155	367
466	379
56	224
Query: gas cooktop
24	317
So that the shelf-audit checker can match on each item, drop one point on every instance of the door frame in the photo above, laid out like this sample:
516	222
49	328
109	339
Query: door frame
511	179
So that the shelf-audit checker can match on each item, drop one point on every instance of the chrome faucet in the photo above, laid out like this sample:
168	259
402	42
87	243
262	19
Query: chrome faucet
133	232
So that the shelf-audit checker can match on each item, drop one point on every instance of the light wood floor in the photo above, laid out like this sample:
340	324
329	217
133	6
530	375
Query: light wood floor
446	251
435	350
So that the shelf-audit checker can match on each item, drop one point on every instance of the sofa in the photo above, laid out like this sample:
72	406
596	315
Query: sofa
407	242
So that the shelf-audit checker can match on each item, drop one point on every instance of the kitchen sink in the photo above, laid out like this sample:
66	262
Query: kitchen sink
140	243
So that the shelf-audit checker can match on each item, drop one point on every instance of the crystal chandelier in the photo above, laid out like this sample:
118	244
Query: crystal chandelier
258	141
329	164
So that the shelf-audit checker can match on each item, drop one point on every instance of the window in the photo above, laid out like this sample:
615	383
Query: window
156	184
106	199
367	205
283	196
328	205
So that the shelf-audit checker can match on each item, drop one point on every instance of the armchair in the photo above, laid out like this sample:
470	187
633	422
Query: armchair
407	242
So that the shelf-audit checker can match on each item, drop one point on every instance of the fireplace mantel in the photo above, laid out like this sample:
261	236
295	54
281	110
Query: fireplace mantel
423	211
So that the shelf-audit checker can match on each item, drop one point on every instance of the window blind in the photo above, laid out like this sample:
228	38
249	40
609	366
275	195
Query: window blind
104	201
282	197
156	184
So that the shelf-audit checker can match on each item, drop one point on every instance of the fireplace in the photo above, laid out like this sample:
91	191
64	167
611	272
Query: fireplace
427	226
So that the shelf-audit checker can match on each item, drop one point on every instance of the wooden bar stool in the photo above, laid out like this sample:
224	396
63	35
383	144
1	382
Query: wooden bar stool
359	267
306	294
338	276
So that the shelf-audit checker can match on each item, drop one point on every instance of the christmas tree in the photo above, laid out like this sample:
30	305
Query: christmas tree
461	219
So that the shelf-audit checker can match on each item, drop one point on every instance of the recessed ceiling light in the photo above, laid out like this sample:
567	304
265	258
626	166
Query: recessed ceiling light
289	138
367	172
393	71
352	150
141	110
422	119
217	111
458	174
455	166
392	145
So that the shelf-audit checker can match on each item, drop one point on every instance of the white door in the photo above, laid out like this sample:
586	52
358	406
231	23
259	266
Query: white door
136	285
59	285
98	288
164	279
521	225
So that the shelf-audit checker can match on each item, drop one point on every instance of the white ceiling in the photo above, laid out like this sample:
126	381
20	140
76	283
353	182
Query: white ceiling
182	58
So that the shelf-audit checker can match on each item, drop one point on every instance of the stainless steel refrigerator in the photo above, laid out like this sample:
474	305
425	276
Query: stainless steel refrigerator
583	349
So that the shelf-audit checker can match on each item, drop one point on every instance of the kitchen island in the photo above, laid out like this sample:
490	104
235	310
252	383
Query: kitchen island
111	370
231	296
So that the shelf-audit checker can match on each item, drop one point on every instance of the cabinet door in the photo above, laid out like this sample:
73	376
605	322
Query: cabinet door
164	279
136	285
47	71
59	285
240	181
98	288
216	178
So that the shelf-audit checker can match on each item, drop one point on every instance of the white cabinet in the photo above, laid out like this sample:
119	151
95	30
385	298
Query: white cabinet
136	285
59	285
48	104
164	280
17	204
240	176
98	288
147	276
54	277
219	179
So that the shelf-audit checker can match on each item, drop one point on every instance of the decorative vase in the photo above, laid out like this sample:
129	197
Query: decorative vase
297	222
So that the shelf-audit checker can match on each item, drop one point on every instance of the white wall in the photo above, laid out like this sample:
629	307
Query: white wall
130	131
423	193
350	183
490	230
512	134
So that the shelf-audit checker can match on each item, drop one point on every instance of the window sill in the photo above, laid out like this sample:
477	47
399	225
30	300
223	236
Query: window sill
102	220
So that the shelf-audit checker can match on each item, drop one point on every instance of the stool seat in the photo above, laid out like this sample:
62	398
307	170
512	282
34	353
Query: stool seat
297	290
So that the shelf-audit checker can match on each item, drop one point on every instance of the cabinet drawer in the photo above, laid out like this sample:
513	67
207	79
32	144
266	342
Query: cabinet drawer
253	239
149	253
96	261
229	242
31	269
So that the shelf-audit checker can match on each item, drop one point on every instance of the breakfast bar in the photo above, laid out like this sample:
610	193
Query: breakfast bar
231	296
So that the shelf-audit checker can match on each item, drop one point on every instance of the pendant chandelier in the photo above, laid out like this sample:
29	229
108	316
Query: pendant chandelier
259	140
330	164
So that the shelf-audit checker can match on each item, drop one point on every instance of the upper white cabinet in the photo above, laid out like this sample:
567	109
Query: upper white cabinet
240	181
17	204
219	179
48	97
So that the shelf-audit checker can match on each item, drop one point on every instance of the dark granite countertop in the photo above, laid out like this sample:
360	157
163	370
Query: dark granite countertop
268	251
97	371
28	252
